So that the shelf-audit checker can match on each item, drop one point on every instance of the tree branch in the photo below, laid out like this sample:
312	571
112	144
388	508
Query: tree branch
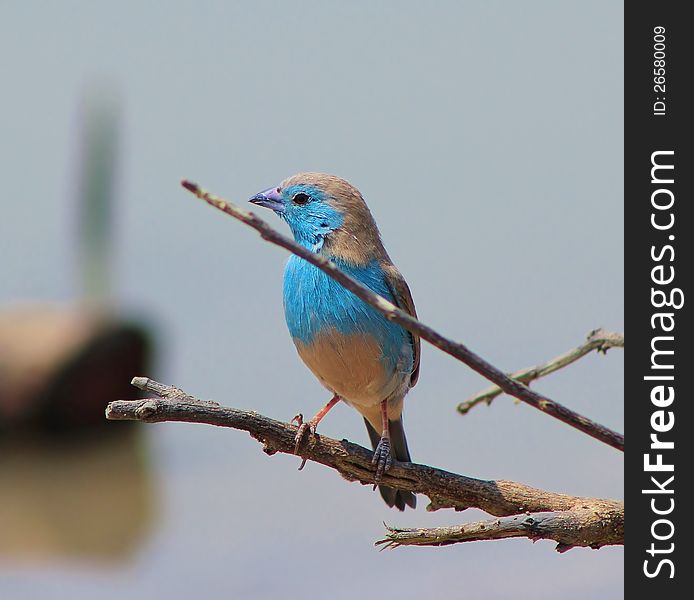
393	313
444	489
587	526
598	339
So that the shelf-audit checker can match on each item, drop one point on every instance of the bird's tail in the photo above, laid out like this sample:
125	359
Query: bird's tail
398	445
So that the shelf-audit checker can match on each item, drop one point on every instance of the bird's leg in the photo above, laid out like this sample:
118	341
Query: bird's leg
382	458
311	426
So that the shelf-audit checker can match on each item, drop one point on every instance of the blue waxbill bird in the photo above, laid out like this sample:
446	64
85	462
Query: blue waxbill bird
364	359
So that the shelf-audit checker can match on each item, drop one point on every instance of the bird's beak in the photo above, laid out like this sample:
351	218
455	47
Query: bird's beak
270	198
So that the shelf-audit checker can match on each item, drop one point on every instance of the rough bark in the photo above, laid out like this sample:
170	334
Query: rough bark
577	521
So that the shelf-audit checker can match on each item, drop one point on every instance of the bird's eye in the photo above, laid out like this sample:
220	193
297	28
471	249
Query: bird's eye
301	198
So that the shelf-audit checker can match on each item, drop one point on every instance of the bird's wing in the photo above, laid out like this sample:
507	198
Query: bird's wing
403	299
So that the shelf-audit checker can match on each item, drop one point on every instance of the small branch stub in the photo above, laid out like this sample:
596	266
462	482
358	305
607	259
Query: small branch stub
599	340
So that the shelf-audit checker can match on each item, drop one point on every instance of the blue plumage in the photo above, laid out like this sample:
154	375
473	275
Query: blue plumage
358	354
313	301
311	222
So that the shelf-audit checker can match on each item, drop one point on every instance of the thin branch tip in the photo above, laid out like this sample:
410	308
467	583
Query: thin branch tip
190	186
140	383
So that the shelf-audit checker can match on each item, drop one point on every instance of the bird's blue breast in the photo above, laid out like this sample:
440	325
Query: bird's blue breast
315	303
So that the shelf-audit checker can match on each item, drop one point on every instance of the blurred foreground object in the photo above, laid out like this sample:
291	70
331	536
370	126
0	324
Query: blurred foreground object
87	497
71	485
60	367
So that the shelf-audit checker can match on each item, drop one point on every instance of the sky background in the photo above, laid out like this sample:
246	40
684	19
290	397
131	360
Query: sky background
487	139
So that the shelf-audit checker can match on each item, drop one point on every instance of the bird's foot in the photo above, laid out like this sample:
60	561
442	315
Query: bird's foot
382	459
304	428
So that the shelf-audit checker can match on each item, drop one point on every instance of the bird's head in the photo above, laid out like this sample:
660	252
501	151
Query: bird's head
326	214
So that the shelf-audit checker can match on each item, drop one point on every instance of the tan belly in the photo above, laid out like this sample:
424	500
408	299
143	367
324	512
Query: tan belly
350	366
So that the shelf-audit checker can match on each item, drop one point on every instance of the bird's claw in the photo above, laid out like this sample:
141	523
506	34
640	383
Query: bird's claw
382	459
300	434
303	429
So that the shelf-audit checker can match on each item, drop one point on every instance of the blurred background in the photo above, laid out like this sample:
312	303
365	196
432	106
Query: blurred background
487	140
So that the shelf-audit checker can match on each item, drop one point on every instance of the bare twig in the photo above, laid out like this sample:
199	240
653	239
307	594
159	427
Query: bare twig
353	462
598	339
393	313
588	526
